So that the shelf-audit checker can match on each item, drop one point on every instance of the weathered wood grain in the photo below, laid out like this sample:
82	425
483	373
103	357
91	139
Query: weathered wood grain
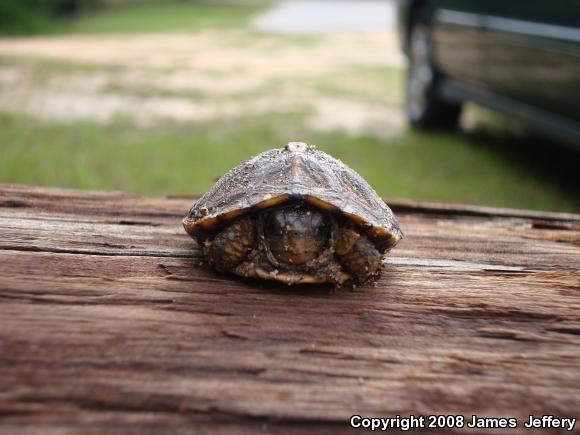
109	325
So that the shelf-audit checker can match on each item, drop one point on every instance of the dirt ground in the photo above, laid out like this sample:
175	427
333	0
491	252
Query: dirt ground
206	76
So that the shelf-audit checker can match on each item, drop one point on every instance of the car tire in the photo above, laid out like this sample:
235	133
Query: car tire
424	107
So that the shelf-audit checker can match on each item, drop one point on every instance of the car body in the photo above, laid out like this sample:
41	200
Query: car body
518	57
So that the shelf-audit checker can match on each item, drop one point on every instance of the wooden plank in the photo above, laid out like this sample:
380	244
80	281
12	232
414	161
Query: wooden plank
110	324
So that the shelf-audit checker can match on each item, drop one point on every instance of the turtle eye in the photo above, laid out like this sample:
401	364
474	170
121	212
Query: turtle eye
275	223
320	225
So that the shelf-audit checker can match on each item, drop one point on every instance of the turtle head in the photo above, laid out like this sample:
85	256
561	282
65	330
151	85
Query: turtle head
296	234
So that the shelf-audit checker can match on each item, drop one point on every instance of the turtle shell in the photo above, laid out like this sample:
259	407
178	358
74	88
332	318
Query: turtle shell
296	172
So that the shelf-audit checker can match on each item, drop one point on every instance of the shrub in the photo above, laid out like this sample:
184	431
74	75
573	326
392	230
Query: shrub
30	16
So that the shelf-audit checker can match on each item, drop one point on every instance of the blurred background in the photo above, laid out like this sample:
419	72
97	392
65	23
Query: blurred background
163	97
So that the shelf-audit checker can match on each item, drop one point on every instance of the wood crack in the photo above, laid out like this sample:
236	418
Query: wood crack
108	253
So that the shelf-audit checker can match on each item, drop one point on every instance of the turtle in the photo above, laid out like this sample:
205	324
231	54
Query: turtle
295	215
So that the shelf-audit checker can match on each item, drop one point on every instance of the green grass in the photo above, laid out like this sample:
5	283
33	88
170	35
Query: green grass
157	16
186	159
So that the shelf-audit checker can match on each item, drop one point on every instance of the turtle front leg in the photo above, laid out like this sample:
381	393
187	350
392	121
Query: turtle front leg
231	245
357	254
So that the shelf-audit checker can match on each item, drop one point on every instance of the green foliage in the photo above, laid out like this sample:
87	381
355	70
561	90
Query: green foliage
21	16
156	16
54	16
32	16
